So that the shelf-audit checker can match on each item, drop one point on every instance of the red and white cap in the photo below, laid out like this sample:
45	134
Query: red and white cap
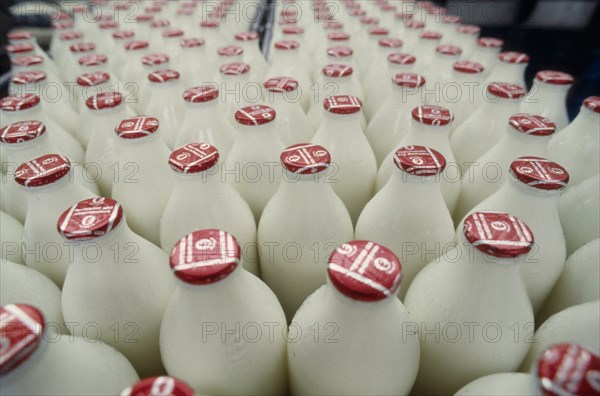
408	80
194	158
21	332
144	17
17	103
338	36
554	77
286	45
281	84
29	77
469	67
201	94
230	50
155	59
72	35
247	36
305	159
401	59
205	257
592	103
172	33
293	30
19	35
160	23
210	24
255	115
137	127
337	70
164	75
369	20
378	31
123	34
447	49
191	42
339	52
432	115
162	385
364	271
468	29
19	48
414	24
22	131
357	12
568	369
540	173
104	100
92	79
27	60
404	16
92	60
43	170
90	218
82	47
490	42
498	234
419	161
430	35
62	25
342	104
234	69
506	90
390	43
514	57
136	45
451	19
105	25
531	124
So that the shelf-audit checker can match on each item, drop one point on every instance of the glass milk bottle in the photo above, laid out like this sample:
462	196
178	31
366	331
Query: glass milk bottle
462	92
195	66
355	164
150	63
208	200
424	50
439	71
392	121
408	215
125	271
548	97
379	89
249	41
165	102
412	29
510	68
252	167
28	63
357	305
76	51
486	52
287	62
141	166
90	84
532	194
466	38
214	290
33	361
484	264
234	79
304	212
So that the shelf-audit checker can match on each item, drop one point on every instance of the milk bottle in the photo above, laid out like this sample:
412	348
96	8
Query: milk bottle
548	97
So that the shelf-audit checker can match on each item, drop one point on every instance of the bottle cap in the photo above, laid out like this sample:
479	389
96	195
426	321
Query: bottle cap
401	59
498	234
390	43
339	52
506	90
419	161
191	42
468	29
404	16
378	31
447	49
234	69
27	60
338	36
136	45
432	115
92	79
287	45
43	170
568	369
333	26
22	131
592	103
82	47
21	102
62	25
164	75
532	124
409	80
554	77
281	84
104	100
29	77
21	331
201	94
160	23
255	115
144	17
514	57
19	35
205	257
155	59
337	70
364	271
430	35
105	25
342	104
305	159
89	219
137	127
490	42
230	50
193	158
170	33
70	36
293	30
93	60
247	36
540	173
470	67
162	385
413	24
369	20
123	34
210	24
451	19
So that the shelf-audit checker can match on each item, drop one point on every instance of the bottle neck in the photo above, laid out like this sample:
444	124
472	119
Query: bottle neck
486	268
523	142
146	149
497	108
208	180
586	123
342	122
508	72
550	91
517	193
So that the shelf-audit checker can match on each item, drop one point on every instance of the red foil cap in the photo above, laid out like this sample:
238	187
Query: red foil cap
468	29
92	79
255	115
369	21
554	77
27	60
430	35
293	30
339	52
412	24
19	35
490	42
19	48
247	36
409	80
89	219
532	124
69	36
447	49
82	47
378	31
281	84
498	234
123	34
420	161
193	158
137	127
514	57
364	271
540	173
205	257
43	170
230	50
432	115
16	103
401	59
338	36
191	42
21	332
506	90
337	70
342	104
390	43
234	69
201	94
170	33
305	159
108	25
136	45
104	100
29	77
465	66
93	60
22	131
211	24
162	76
592	103
155	59
287	45
163	385
160	23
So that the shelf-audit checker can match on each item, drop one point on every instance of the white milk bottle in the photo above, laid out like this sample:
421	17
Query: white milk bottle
23	37
249	41
510	68
11	235
208	200
391	122
548	96
580	140
377	69
230	54
532	194
287	62
59	27
24	285
367	50
412	29
466	38
163	385
439	71
562	369
50	185
211	32
355	166
120	39
132	71
195	66
341	54
252	167
424	49
408	215
76	51
577	324
448	25
461	93
357	305
33	361
234	80
429	127
379	89
150	63
333	39
304	213
205	337
525	135
486	52
29	63
165	102
94	63
284	94
579	209
169	43
577	283
203	120
469	289
142	167
126	271
483	129
90	84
